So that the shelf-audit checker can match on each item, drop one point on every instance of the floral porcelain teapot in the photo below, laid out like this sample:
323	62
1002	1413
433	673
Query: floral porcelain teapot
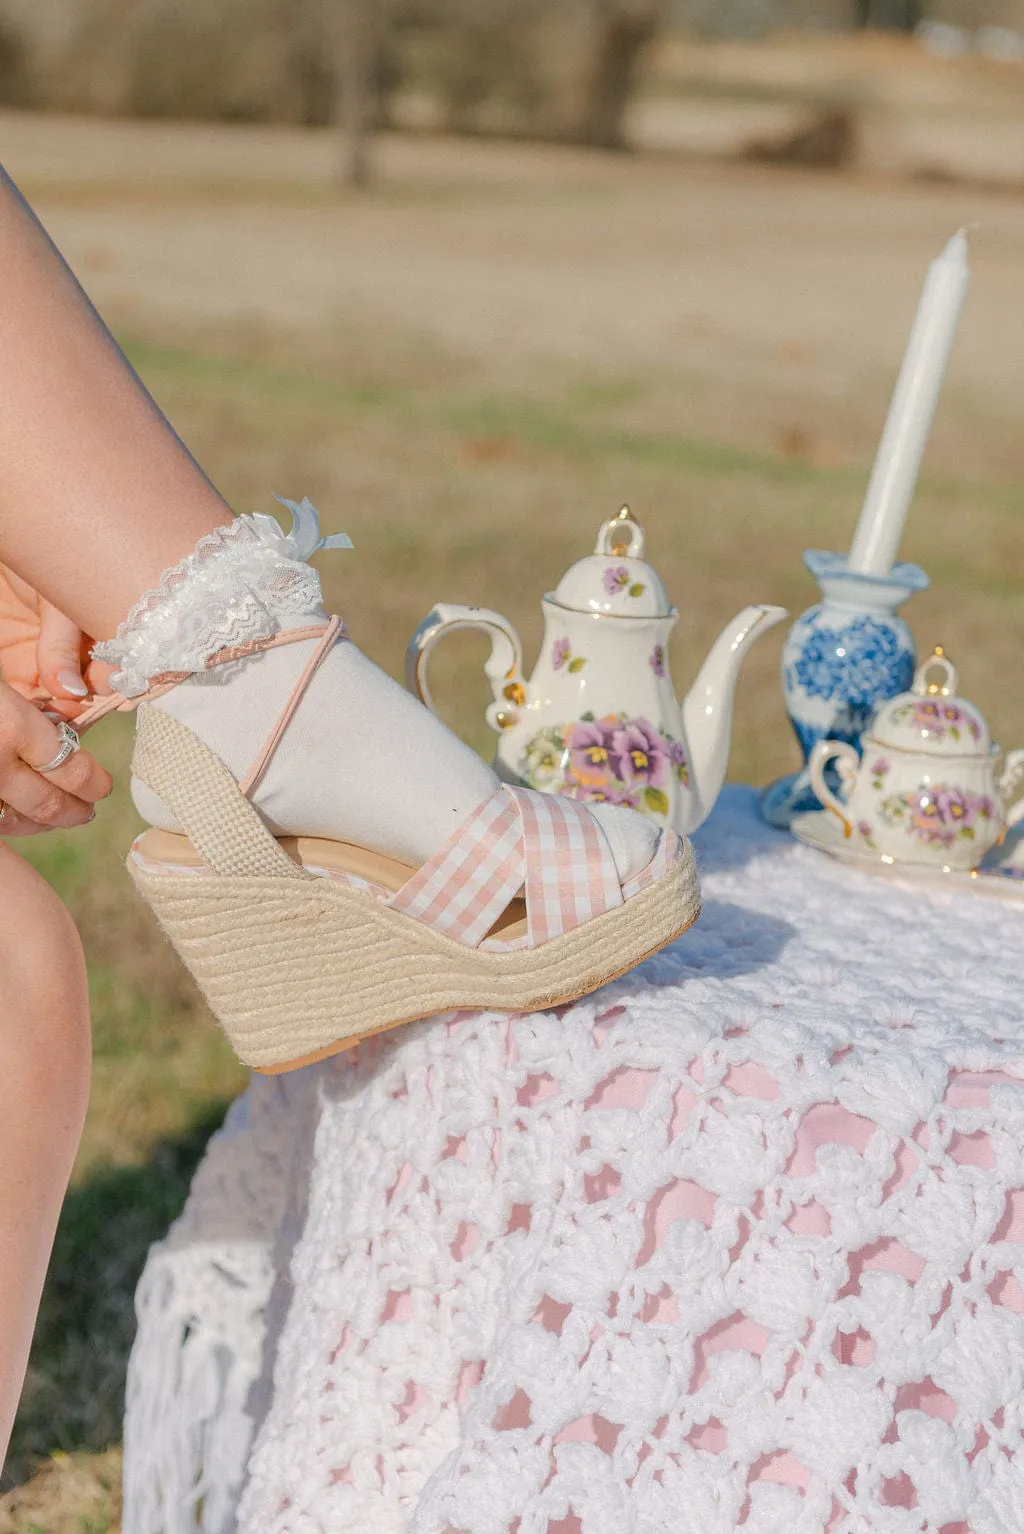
599	720
928	788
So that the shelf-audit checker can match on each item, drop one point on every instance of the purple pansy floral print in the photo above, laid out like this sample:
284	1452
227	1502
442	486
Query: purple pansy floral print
561	651
640	755
939	815
562	657
613	760
589	759
867	832
937	719
657	661
616	579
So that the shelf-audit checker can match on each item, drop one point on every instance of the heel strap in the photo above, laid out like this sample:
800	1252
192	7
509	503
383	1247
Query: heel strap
211	808
218	820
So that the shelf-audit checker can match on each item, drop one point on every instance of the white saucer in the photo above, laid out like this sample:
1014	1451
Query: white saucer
1001	874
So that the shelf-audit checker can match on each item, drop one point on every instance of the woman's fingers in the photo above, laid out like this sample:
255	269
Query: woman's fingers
66	670
13	824
43	654
59	658
31	795
63	797
98	674
39	741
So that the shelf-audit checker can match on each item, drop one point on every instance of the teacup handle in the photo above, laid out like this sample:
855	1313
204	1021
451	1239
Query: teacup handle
503	667
839	751
1011	782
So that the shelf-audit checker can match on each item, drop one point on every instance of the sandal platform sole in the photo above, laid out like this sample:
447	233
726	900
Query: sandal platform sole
297	971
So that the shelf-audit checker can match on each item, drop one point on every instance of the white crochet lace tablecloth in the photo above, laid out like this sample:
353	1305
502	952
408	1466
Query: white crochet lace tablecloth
736	1244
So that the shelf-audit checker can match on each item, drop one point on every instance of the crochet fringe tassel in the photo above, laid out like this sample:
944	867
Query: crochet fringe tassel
197	1353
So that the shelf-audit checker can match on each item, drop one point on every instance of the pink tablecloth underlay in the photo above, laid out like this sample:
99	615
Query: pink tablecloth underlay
736	1245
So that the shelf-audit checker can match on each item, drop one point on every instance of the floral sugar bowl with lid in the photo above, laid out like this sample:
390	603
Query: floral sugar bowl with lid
599	720
930	788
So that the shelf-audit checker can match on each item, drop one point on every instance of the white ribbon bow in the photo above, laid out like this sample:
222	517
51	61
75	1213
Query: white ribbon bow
303	539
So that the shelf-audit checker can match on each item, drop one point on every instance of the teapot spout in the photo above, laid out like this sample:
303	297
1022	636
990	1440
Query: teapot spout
707	707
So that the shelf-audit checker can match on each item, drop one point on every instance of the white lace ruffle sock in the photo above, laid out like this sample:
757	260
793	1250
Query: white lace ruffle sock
362	760
244	582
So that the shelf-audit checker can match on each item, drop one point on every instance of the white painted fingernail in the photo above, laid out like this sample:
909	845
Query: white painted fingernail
71	682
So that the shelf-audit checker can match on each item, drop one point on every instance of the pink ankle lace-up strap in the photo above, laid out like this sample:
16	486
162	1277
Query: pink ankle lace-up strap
116	703
551	849
251	781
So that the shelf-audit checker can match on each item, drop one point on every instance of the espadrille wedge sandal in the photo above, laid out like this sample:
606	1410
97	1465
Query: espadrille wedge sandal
304	947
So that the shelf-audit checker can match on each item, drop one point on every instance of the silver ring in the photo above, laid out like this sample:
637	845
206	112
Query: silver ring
69	744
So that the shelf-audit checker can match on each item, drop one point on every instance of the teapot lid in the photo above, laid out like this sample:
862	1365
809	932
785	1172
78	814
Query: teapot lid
615	579
931	717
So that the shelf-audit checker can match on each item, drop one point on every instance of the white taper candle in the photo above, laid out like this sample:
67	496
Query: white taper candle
910	414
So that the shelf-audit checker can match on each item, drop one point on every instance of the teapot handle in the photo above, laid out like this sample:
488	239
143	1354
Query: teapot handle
1011	783
834	750
504	665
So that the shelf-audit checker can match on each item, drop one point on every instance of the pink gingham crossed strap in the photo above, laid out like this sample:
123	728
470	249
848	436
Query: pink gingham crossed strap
666	853
550	849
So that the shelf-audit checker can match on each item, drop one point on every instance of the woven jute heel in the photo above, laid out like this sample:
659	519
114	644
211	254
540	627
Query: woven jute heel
297	967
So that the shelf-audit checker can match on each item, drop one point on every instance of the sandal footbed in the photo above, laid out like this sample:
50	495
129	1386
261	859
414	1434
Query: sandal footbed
171	850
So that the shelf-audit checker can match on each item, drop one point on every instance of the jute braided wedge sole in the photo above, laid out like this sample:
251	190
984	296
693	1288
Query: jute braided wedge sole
295	971
296	967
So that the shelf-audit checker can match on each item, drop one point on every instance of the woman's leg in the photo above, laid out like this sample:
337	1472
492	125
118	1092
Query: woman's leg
99	498
44	1085
97	494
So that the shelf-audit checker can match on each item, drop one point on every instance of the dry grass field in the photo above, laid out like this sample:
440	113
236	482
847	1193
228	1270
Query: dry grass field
468	369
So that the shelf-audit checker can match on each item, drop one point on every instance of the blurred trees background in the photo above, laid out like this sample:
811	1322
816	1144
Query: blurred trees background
559	69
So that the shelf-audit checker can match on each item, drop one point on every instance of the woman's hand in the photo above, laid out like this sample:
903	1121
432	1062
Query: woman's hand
44	663
43	655
33	801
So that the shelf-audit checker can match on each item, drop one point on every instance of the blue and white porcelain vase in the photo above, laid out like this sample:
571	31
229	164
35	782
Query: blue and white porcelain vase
842	659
